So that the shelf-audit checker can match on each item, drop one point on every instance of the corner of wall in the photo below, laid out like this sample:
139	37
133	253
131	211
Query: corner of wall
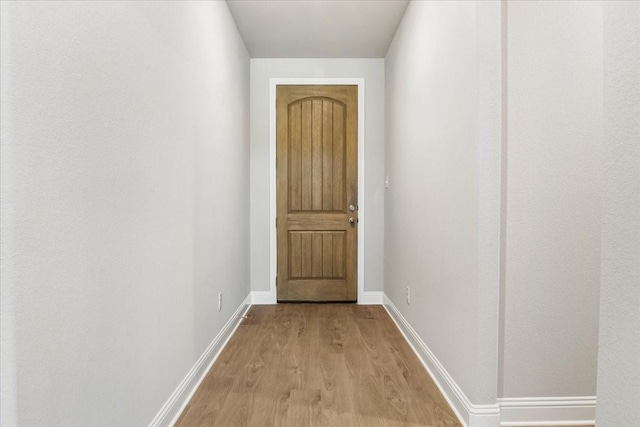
177	402
469	414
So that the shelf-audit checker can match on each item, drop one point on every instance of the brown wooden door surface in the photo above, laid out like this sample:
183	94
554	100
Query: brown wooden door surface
317	181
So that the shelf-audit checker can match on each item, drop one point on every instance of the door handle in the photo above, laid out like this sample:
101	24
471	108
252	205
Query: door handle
352	221
352	208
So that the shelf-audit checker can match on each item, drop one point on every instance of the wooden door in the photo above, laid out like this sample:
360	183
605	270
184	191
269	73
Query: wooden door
317	189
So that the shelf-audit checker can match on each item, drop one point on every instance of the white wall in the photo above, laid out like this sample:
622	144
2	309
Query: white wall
618	366
372	71
125	200
553	198
442	212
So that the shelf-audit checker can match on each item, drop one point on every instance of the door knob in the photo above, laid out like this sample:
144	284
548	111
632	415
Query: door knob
352	208
352	221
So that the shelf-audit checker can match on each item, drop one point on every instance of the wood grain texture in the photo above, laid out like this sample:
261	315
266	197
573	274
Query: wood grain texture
307	164
316	154
317	365
327	155
316	255
339	157
317	165
295	157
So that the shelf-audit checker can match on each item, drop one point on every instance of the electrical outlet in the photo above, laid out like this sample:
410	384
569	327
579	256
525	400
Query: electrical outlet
408	295
220	301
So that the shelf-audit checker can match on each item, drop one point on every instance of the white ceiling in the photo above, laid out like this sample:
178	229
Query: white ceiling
317	28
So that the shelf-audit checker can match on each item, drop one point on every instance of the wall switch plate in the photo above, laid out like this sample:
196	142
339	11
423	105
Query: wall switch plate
220	301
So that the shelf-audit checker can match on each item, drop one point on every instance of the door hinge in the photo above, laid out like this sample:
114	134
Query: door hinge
276	222
276	281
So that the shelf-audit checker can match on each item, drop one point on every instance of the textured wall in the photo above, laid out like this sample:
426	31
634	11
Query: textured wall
618	366
553	198
372	71
443	161
125	200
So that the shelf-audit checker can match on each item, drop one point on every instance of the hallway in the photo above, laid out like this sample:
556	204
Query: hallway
492	232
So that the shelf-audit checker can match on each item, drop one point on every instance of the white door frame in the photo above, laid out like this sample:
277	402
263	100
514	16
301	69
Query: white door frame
273	251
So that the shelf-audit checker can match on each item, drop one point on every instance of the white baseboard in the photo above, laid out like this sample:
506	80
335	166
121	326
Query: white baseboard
547	411
367	298
371	298
508	412
261	298
470	415
173	407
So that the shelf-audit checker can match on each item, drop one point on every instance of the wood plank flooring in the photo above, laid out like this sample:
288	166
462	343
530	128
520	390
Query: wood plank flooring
317	365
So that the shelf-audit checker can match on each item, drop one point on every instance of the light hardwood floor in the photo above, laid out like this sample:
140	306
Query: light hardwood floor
317	365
